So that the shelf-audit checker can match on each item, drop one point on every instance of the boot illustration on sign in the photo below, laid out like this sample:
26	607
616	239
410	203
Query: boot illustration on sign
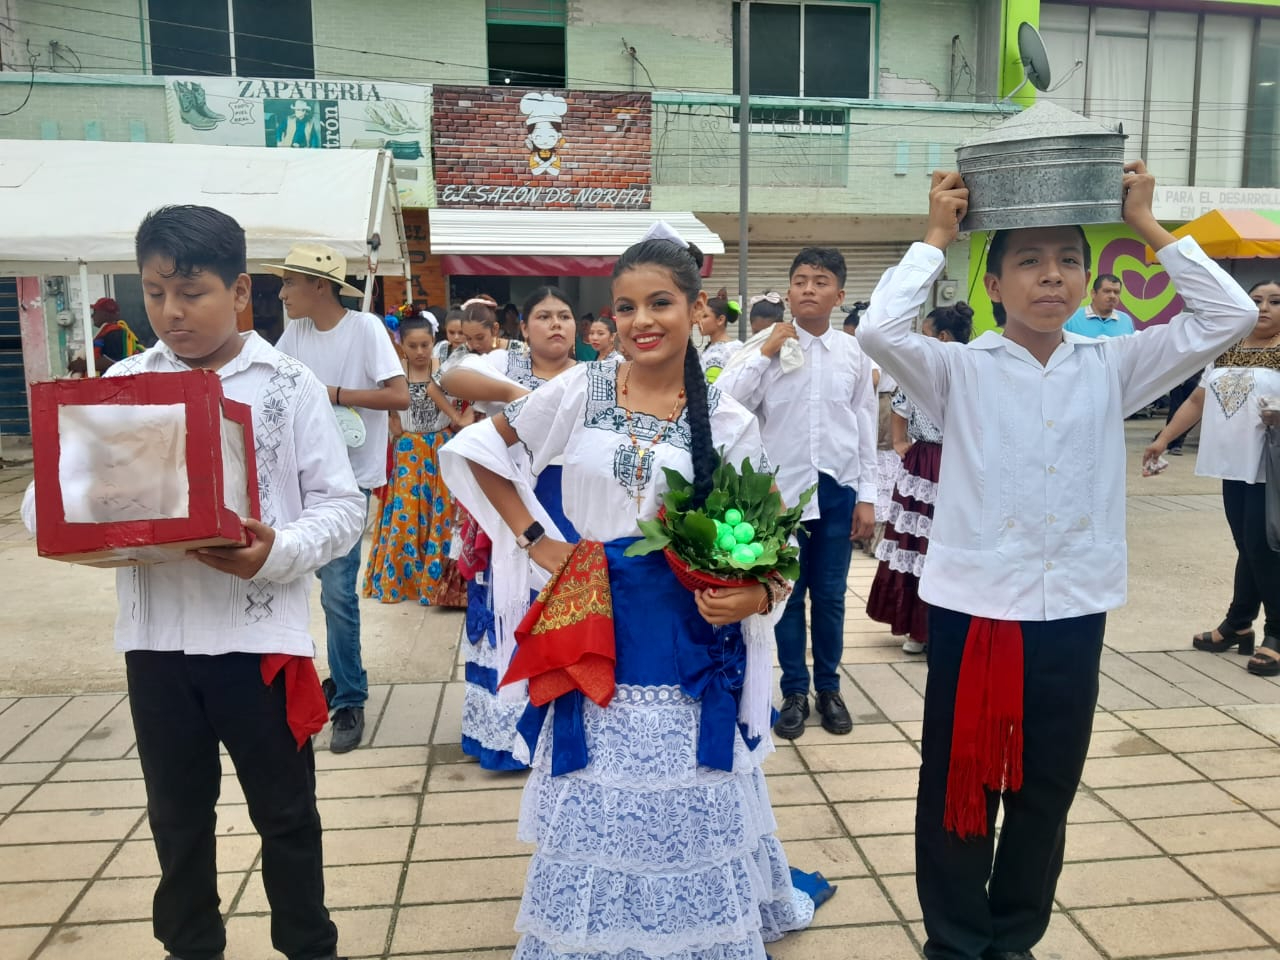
193	108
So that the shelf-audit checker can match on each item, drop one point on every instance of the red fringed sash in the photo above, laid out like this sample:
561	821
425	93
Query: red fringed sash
986	739
565	641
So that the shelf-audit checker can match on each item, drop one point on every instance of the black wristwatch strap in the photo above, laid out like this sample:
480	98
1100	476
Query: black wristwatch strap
530	536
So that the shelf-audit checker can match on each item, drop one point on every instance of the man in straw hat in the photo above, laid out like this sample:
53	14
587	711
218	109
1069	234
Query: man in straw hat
349	351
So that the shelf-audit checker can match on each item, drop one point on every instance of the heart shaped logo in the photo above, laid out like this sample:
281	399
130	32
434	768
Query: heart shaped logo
1147	294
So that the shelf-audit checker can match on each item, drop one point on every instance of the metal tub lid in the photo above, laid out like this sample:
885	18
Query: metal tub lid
1044	167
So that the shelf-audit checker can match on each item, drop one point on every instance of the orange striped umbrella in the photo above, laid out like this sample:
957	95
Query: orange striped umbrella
1233	234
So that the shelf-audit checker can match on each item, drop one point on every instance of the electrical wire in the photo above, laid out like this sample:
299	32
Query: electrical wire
31	84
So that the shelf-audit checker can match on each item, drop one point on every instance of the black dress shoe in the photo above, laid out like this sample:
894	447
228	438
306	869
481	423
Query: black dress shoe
795	711
835	715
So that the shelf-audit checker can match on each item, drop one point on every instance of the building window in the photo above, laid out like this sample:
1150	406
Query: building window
1196	92
807	50
526	42
221	38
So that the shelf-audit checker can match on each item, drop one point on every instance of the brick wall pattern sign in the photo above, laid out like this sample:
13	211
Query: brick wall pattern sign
499	148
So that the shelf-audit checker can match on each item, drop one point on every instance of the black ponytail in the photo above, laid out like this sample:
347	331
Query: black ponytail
685	267
701	447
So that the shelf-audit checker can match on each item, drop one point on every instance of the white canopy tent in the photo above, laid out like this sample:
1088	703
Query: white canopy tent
70	207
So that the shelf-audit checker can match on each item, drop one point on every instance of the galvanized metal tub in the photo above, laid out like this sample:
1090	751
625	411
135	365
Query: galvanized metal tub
1046	167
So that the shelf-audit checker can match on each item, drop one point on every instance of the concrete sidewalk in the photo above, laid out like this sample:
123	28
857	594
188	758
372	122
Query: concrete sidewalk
1174	849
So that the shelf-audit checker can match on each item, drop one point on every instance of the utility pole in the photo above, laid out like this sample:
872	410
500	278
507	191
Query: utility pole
744	139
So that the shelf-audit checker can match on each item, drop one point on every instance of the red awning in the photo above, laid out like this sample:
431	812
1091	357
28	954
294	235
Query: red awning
526	265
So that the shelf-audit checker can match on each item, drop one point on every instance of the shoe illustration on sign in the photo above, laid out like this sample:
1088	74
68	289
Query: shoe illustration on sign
193	108
390	118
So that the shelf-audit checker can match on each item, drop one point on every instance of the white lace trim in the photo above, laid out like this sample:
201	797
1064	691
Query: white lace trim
487	718
899	560
570	908
909	522
890	465
917	488
531	948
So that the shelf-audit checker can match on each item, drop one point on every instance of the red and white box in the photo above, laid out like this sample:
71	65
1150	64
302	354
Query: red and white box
140	469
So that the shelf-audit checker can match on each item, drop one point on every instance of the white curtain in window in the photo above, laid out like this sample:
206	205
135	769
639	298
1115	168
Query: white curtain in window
1118	71
1065	30
1224	100
1172	93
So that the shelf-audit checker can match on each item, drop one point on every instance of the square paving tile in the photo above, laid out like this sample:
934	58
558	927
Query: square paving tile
878	816
1118	882
890	853
456	926
41	902
807	823
1108	840
1122	743
793	790
450	881
861	756
1192	739
1231	764
1133	771
479	806
53	861
869	785
1148	930
1212	831
902	890
466	841
877	942
371	845
366	885
1264	911
857	901
1170	800
19	943
1176	717
1263	793
833	857
97	941
369	782
1237	872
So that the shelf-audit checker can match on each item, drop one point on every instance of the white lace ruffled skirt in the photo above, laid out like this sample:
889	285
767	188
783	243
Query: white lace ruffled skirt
645	854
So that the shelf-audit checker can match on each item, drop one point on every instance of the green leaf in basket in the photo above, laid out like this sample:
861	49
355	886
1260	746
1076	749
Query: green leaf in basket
655	538
717	502
699	530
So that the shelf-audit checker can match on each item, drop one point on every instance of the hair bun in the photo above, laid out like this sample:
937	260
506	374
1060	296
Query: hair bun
964	309
697	255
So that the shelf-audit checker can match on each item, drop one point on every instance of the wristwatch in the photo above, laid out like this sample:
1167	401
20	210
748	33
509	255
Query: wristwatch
530	536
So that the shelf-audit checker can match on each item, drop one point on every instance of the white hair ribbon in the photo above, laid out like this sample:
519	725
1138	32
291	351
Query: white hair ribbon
661	230
430	317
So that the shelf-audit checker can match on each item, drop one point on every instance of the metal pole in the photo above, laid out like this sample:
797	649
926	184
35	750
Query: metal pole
744	137
86	322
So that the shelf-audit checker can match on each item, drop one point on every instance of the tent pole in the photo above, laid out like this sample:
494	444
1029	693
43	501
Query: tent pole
379	195
86	320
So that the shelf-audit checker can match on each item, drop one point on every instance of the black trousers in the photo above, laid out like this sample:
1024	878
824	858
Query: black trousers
1257	583
183	706
978	896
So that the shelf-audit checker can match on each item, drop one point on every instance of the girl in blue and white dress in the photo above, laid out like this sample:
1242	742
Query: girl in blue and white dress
499	596
653	829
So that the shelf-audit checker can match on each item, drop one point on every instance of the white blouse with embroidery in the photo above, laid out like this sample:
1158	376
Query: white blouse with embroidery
609	481
1232	434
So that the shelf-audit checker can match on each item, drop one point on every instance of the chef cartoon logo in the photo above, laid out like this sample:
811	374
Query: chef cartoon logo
544	116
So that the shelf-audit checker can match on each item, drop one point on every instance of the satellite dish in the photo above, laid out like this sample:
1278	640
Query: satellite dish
1035	59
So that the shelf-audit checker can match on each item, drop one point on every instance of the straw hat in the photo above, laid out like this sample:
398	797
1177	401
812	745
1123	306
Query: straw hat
315	260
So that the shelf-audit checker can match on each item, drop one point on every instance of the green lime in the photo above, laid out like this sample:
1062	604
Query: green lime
726	541
733	516
757	548
744	532
743	554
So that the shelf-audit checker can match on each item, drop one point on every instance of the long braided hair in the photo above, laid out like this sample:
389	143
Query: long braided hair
685	267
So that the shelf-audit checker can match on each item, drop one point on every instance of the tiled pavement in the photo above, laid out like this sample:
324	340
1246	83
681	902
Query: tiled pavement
1174	850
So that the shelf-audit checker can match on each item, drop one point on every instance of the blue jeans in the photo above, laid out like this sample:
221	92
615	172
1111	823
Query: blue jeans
825	552
342	623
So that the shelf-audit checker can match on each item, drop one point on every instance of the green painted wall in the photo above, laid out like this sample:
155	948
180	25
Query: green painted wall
407	36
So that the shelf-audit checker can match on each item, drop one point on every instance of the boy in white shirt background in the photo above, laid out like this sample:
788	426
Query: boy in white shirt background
353	356
1027	549
197	632
819	427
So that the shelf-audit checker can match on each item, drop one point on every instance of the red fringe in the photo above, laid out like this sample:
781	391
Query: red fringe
986	737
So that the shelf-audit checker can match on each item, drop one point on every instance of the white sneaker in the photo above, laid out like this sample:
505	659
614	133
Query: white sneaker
912	646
